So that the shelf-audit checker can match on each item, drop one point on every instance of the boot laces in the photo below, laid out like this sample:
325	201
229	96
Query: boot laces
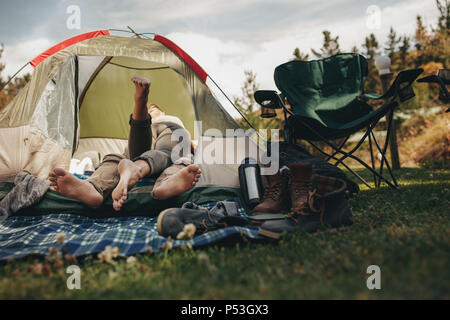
302	188
273	191
210	224
309	206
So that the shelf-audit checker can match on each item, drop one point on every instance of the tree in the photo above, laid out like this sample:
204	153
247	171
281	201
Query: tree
250	109
371	49
444	15
246	103
299	56
403	52
330	46
421	35
10	91
355	49
391	44
2	67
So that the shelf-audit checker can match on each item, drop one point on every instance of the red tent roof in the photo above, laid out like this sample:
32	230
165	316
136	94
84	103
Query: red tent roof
183	55
67	43
99	33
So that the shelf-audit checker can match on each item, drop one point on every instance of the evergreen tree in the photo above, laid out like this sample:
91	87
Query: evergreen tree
10	91
421	34
371	46
330	46
299	56
444	15
2	67
403	52
391	44
246	103
250	109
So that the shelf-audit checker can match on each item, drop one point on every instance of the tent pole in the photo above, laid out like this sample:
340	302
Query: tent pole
242	115
10	79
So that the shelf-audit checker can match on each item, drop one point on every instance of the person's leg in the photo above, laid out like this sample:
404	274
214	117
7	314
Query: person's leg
140	138
175	180
93	191
130	173
151	162
70	186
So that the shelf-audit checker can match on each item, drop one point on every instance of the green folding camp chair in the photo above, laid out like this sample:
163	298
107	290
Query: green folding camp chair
328	102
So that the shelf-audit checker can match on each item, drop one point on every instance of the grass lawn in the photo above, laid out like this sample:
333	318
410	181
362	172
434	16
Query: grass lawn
406	233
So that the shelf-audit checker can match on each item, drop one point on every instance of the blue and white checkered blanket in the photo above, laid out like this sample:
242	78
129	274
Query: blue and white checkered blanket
22	236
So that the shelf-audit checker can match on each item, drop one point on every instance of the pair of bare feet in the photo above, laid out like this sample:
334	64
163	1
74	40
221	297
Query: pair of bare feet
70	186
131	173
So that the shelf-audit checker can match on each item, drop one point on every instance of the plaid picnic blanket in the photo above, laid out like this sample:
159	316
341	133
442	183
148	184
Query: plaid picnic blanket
25	235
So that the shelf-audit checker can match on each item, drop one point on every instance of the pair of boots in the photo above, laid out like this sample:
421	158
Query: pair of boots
280	190
315	201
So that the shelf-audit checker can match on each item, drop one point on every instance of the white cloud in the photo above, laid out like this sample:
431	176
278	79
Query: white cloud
145	13
226	60
16	56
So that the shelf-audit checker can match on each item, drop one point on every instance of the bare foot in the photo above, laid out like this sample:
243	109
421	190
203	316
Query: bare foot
70	186
130	174
182	181
142	86
140	97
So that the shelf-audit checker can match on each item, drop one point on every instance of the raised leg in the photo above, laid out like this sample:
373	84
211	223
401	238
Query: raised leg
140	137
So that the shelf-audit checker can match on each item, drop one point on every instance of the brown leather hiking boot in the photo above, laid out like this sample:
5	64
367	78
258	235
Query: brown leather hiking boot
328	207
275	196
300	186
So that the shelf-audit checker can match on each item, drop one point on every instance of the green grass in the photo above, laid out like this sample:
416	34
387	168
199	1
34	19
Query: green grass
406	233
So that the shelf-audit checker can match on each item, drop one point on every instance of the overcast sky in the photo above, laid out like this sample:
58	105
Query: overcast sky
225	37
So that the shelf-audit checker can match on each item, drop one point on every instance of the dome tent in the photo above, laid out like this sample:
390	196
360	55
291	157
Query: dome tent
80	97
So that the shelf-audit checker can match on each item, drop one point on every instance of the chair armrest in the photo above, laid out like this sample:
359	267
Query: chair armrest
442	82
430	79
268	99
370	96
401	87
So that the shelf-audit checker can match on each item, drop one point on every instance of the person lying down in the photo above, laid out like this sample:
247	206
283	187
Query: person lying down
148	154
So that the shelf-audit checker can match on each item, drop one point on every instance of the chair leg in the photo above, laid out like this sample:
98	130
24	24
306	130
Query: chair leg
347	167
383	153
340	146
375	180
349	153
384	159
346	154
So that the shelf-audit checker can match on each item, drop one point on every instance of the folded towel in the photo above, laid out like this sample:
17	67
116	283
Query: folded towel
28	190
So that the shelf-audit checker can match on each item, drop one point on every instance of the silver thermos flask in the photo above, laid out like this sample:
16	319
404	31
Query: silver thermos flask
250	182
